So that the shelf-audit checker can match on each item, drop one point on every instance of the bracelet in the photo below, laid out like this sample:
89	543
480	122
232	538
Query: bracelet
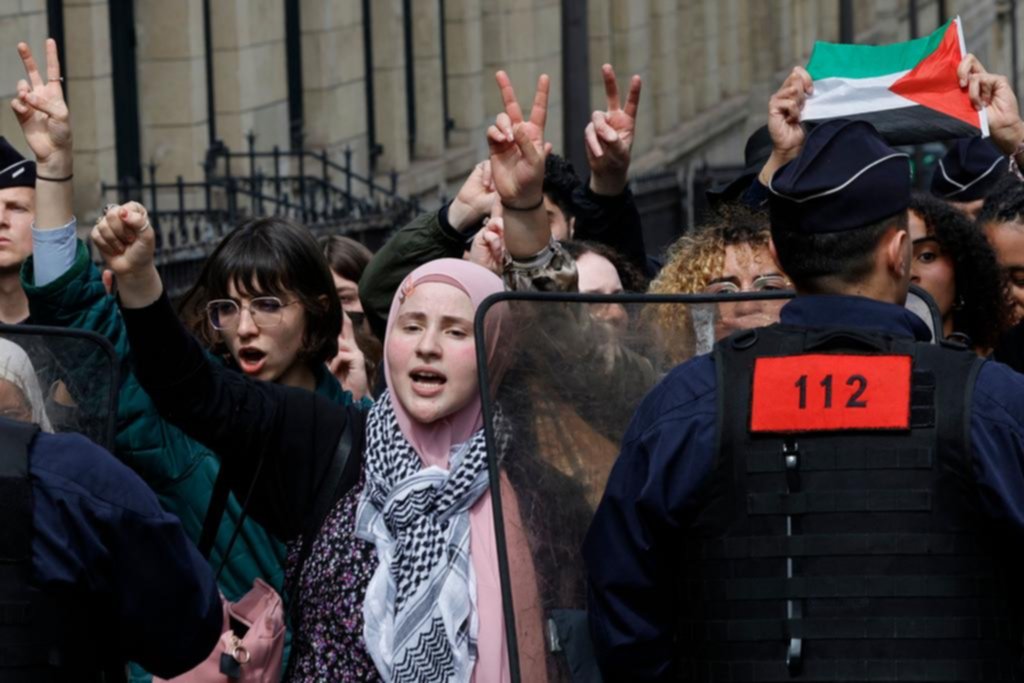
523	208
55	180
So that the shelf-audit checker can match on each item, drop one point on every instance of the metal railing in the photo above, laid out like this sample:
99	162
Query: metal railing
190	217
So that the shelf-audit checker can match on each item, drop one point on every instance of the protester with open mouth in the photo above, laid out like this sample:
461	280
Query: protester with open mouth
294	449
265	305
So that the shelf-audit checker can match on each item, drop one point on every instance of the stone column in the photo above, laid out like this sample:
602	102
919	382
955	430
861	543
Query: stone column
171	70
333	79
466	76
250	72
87	54
389	85
426	51
662	94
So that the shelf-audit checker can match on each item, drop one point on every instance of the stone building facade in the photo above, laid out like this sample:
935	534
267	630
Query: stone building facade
408	85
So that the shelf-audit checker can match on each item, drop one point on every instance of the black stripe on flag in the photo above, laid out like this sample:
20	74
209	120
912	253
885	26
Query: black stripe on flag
913	125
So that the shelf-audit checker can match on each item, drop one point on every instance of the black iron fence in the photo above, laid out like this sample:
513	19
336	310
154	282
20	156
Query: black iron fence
190	217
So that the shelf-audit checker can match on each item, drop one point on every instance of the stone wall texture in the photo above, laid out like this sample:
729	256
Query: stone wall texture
709	67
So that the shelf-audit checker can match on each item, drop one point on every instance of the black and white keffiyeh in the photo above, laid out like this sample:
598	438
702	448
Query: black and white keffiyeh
420	607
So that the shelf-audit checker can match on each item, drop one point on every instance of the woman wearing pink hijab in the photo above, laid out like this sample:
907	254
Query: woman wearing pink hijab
432	603
433	608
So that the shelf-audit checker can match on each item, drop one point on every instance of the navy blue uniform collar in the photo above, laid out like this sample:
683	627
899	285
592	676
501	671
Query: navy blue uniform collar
854	312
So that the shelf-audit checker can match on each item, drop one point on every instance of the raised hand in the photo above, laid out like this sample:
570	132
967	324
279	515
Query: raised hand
475	198
517	146
609	136
488	248
993	93
349	365
784	110
126	242
43	113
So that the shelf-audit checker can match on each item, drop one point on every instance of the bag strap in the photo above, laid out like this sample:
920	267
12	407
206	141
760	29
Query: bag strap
215	512
341	475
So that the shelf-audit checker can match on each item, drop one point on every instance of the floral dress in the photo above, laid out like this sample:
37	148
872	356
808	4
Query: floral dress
328	646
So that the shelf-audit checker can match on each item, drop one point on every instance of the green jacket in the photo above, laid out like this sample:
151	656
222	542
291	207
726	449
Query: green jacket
180	470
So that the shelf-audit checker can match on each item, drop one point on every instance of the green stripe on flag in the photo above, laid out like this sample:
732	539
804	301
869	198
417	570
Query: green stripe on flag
841	60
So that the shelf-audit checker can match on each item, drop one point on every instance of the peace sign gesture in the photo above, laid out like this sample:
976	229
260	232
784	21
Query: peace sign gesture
609	136
43	113
517	146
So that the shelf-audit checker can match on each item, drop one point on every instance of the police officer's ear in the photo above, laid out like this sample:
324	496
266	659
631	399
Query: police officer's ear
897	251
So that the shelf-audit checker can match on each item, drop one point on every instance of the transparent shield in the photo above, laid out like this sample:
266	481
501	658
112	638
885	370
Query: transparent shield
560	391
921	304
63	380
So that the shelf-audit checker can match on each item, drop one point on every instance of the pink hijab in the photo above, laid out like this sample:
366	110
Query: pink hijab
433	442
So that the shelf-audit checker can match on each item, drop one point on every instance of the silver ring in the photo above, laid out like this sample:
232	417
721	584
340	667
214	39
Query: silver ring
145	227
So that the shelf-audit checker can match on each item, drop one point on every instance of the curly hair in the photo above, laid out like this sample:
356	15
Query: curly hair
1005	203
983	312
560	181
693	261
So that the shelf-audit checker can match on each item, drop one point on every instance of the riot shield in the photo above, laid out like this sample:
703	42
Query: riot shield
921	304
558	396
64	380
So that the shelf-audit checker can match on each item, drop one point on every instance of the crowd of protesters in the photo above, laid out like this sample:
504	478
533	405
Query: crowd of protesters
310	414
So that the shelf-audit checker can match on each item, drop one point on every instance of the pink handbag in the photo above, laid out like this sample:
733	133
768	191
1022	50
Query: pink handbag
255	656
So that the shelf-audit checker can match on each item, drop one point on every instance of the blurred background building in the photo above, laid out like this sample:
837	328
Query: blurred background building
346	112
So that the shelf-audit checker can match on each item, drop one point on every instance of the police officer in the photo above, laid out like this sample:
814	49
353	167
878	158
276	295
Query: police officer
968	172
830	498
92	571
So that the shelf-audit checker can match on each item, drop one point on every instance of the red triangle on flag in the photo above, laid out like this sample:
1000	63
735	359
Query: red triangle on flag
933	83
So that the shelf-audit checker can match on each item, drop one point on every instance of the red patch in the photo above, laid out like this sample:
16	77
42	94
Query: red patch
933	82
830	392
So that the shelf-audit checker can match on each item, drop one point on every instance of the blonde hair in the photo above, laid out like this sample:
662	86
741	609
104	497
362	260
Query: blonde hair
694	260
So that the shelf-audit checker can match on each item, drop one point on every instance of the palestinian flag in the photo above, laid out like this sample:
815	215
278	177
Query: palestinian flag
908	91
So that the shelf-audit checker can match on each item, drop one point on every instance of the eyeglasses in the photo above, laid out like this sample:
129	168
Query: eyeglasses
266	311
765	283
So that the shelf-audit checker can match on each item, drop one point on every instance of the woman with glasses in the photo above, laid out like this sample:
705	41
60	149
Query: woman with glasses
727	256
265	307
433	606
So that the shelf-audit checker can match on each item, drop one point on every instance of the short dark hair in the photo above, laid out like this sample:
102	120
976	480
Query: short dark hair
632	279
823	262
269	256
984	312
345	256
560	181
1004	203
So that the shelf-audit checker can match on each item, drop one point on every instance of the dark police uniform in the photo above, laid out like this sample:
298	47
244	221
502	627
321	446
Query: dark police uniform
830	498
92	571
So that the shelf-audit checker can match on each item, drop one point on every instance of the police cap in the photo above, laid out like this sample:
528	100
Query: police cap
845	177
15	170
968	171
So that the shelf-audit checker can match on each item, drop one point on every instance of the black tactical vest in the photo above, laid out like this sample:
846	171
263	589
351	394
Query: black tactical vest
41	639
854	554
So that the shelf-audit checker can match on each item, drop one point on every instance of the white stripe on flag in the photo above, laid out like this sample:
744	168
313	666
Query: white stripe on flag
837	97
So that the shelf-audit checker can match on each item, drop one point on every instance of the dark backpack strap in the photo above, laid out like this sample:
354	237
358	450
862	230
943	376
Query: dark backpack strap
341	476
215	512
